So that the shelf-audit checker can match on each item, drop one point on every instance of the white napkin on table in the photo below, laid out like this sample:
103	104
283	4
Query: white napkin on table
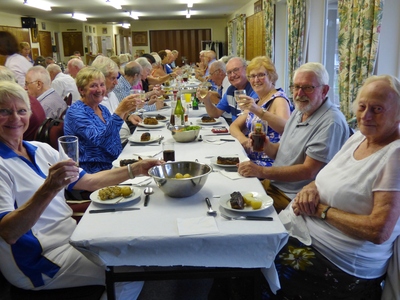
231	175
200	225
213	142
152	153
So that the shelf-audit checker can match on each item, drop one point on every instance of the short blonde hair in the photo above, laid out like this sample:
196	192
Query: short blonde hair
263	61
86	75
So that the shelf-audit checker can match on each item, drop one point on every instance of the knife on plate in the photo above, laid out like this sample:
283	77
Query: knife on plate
106	210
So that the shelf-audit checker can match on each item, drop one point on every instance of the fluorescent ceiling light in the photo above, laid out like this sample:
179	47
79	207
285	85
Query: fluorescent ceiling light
190	4
38	4
79	17
126	25
188	14
114	4
134	15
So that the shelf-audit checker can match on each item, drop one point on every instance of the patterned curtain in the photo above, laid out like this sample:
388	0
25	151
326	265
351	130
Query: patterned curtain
269	18
297	19
360	22
236	36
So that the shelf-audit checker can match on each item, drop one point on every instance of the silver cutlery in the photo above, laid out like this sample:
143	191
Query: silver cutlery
147	191
106	210
200	139
210	210
249	218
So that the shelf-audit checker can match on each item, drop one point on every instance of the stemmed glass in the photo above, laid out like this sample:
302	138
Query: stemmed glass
142	98
239	99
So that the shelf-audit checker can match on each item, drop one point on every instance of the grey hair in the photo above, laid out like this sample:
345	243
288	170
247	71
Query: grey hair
318	69
393	82
6	74
40	73
219	65
132	68
53	68
10	90
144	63
157	58
105	64
76	62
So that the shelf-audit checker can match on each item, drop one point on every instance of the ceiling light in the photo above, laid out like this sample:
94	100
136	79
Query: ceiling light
38	4
79	17
134	15
188	14
114	4
190	4
126	25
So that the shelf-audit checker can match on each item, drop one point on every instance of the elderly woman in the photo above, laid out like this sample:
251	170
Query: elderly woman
14	61
35	220
94	125
25	51
158	75
352	209
272	106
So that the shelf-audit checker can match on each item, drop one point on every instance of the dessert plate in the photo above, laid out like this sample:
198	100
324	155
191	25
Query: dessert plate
266	200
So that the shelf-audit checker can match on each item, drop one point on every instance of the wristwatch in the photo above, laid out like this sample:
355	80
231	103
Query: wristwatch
324	213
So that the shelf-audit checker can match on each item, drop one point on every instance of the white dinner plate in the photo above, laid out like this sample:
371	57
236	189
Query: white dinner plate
267	201
135	195
136	139
160	124
213	160
116	164
217	121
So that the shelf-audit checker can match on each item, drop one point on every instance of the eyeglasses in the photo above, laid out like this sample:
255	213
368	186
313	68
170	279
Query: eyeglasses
4	112
27	83
260	76
234	71
217	70
308	89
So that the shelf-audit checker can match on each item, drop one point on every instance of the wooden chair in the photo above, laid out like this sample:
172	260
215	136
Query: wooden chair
68	99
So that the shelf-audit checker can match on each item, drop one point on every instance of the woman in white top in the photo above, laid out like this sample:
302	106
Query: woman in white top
14	61
352	209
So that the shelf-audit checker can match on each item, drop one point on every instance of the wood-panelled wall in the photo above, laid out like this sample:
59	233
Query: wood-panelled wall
186	42
255	32
22	35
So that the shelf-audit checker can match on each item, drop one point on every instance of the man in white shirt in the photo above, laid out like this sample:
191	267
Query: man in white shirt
63	84
38	85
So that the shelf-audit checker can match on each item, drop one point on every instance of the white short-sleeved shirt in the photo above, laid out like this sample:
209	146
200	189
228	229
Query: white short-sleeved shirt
348	184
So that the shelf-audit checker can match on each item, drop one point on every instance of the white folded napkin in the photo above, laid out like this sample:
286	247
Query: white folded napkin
214	142
200	225
153	153
231	175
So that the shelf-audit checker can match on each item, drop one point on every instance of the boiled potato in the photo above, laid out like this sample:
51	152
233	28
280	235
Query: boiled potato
248	198
256	204
126	191
187	176
178	175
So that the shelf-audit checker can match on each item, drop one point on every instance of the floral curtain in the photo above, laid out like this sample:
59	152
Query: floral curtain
269	21
360	22
236	36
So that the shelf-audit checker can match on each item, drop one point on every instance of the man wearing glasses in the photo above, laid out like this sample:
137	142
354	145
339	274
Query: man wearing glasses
236	72
315	131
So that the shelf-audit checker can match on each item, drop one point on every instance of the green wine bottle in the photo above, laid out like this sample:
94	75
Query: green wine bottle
179	112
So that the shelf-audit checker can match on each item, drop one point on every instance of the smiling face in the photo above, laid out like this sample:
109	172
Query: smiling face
377	110
236	72
260	81
94	92
14	119
111	81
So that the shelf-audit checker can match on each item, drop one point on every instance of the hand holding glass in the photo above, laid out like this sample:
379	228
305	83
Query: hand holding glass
203	91
238	99
142	98
68	147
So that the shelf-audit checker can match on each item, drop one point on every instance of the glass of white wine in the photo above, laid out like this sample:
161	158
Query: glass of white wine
142	98
203	91
239	101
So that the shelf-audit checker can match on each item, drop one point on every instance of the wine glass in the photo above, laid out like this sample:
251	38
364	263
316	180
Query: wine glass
142	98
238	98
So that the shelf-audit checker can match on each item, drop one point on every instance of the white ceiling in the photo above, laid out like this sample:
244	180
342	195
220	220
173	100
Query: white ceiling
98	11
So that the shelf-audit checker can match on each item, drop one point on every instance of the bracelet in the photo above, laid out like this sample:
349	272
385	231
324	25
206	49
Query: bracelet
262	114
131	176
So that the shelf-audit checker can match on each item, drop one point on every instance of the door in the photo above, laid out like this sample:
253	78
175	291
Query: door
255	31
46	48
72	41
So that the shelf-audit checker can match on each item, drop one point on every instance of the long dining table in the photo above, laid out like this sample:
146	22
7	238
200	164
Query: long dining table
176	234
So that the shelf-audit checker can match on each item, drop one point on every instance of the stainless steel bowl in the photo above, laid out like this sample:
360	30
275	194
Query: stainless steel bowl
164	176
184	136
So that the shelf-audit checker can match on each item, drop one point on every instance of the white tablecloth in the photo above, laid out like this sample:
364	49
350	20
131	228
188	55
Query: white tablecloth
150	236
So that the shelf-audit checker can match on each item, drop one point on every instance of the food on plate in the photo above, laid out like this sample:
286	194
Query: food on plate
219	130
187	128
180	176
150	121
160	117
145	137
112	192
128	161
231	161
207	119
237	201
249	200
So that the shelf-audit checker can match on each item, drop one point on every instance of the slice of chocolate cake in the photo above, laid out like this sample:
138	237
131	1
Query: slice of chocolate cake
236	200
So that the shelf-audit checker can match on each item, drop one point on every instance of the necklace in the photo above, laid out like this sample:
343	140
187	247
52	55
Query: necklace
265	99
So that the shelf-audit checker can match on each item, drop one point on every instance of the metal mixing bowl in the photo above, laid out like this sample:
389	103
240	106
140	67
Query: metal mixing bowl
184	136
164	176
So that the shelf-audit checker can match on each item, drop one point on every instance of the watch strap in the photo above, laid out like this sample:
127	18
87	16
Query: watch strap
325	212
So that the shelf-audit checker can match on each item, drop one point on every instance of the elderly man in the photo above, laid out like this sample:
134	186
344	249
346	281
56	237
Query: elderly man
176	54
236	72
313	134
38	85
74	66
62	83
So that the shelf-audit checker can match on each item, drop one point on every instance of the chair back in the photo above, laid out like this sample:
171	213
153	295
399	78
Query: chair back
50	131
68	99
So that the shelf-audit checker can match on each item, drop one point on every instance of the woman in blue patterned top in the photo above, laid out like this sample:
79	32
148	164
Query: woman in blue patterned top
94	125
272	106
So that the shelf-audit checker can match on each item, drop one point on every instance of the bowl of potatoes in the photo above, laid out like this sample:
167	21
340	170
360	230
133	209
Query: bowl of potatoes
180	179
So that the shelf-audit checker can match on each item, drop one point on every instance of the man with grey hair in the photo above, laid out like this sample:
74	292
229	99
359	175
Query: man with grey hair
38	115
38	85
62	83
314	133
74	66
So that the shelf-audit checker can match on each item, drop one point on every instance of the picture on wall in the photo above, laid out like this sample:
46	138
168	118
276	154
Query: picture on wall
139	38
